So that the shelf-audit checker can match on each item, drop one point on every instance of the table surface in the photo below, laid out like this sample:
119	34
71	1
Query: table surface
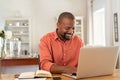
115	76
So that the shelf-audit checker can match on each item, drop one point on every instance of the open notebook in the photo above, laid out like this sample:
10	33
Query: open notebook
37	74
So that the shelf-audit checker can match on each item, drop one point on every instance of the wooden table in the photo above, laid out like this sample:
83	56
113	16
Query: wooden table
115	76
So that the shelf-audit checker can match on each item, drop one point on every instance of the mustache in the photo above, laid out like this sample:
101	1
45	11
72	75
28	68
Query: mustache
68	33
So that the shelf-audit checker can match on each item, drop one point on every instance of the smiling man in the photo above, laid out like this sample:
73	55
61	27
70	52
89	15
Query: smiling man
59	50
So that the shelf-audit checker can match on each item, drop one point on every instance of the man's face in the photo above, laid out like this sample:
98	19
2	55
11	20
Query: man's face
65	28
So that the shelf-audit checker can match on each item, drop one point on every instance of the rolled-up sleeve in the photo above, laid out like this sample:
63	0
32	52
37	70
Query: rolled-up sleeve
46	60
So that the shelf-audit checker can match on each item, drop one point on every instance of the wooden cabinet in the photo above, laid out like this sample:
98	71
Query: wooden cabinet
18	61
18	65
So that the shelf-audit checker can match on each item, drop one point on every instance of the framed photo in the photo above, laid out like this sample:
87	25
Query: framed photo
78	22
116	34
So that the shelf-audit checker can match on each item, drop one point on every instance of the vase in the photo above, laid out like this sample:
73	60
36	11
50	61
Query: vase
2	47
15	47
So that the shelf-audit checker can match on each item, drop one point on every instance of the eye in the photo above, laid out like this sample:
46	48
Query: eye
67	28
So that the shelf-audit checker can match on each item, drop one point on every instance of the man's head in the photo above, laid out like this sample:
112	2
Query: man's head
65	26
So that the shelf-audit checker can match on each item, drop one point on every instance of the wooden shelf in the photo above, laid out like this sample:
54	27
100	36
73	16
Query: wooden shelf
18	61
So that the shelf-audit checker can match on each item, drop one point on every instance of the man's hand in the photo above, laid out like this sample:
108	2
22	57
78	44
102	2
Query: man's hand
69	70
62	69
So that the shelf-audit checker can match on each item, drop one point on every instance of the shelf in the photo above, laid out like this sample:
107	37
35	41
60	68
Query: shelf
21	43
20	34
25	43
18	26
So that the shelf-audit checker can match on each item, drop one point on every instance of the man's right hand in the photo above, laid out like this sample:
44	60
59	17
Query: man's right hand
62	69
69	70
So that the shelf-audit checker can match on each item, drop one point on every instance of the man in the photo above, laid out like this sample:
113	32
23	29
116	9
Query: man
59	50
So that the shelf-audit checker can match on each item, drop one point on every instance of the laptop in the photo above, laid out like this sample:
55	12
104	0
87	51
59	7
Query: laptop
96	61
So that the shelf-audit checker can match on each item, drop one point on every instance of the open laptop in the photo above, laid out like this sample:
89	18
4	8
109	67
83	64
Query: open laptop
96	61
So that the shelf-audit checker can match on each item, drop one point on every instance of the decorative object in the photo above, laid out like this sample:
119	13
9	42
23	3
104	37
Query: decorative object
116	34
4	35
15	45
2	47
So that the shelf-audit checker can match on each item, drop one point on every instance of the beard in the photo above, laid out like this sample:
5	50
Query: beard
67	36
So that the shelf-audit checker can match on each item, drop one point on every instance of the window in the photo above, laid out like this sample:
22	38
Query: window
99	27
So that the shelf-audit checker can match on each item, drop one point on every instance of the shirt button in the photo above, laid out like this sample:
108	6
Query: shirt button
64	54
64	64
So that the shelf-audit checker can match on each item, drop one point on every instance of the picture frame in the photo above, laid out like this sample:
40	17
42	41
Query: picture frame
116	34
78	22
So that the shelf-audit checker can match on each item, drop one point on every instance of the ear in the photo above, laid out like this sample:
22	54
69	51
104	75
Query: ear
58	24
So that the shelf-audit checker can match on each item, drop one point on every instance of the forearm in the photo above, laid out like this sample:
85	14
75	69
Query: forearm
62	69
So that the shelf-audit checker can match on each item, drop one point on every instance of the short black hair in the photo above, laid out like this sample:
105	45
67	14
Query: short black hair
66	15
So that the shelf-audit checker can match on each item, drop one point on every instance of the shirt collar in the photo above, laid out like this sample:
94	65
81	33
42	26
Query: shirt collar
55	35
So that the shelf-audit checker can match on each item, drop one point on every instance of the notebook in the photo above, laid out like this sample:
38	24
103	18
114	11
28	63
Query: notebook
37	74
96	61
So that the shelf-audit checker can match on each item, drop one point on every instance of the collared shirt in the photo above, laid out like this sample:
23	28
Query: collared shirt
55	51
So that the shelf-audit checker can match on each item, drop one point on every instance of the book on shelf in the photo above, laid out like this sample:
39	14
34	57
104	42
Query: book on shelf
37	74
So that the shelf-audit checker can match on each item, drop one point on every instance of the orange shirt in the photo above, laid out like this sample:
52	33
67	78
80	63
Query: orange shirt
55	51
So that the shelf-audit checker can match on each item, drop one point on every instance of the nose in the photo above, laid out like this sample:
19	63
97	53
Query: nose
71	31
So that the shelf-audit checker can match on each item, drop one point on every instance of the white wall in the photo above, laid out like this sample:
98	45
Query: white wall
43	14
97	4
10	8
116	5
108	21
